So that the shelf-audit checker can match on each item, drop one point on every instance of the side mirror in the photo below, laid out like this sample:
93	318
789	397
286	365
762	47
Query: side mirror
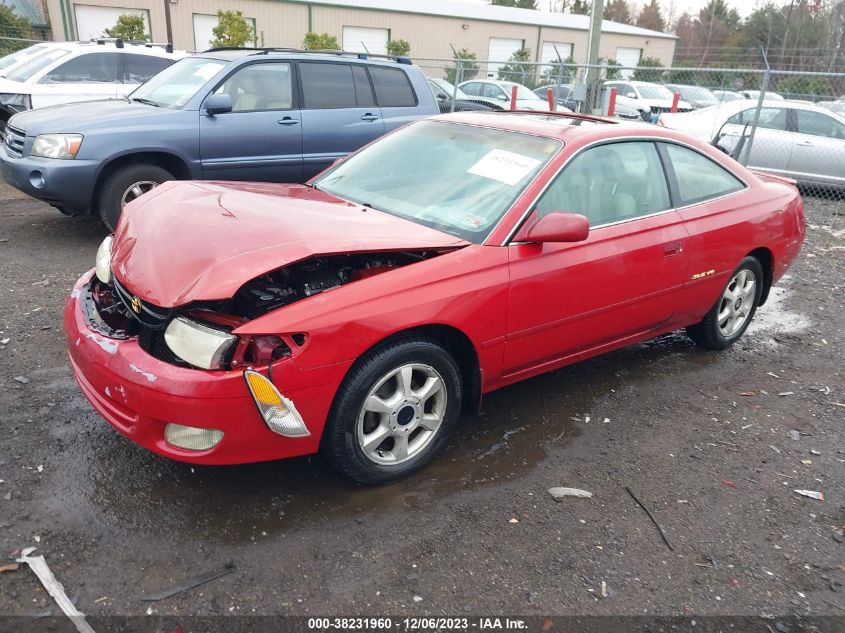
442	96
218	104
502	97
556	226
631	94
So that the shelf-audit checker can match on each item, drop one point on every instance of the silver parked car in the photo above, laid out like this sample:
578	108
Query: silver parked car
796	140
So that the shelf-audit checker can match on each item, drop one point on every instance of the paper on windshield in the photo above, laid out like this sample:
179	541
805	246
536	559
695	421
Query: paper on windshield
504	166
207	71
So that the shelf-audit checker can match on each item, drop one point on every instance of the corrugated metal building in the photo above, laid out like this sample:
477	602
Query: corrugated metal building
432	27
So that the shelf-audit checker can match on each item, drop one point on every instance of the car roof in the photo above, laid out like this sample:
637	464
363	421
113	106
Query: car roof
233	54
157	50
498	82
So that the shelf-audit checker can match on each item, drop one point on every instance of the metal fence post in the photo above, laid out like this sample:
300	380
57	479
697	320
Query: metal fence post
743	159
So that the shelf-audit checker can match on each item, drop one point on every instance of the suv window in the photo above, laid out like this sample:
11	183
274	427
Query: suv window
256	87
139	68
326	85
770	118
88	68
698	177
363	89
818	124
393	90
609	183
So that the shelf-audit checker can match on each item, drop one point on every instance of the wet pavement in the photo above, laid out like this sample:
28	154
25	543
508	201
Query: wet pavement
476	531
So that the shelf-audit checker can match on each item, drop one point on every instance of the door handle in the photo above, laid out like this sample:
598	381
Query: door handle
806	143
369	117
288	121
673	248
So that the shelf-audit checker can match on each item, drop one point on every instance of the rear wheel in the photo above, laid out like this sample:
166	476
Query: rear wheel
394	411
731	314
125	185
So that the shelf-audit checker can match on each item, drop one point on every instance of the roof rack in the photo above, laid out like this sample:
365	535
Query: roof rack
399	59
119	43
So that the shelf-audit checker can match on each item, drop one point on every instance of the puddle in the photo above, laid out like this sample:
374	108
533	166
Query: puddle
776	318
106	484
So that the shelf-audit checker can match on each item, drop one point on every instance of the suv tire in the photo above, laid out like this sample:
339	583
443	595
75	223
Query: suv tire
126	184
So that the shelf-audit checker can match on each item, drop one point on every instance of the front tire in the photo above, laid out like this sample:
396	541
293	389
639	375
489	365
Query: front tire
394	411
125	185
732	313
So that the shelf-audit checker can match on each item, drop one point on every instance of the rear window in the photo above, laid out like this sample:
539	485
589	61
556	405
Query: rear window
393	90
327	85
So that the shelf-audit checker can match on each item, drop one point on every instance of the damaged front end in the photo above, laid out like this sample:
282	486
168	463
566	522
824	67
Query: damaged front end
199	335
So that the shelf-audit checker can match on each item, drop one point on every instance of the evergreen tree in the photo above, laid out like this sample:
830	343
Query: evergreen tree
618	11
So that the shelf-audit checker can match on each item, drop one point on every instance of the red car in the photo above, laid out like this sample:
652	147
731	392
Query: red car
357	315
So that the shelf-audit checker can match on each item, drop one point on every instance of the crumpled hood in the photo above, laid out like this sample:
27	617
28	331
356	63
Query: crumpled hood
201	241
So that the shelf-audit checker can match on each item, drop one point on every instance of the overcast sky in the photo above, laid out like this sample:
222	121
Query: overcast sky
675	7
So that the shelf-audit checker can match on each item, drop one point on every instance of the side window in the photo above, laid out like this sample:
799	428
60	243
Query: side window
609	183
770	118
698	177
139	68
393	90
256	87
473	89
88	68
818	124
327	85
363	90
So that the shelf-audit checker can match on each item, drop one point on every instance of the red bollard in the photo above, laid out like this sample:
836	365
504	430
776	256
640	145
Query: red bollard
551	97
675	98
611	103
513	98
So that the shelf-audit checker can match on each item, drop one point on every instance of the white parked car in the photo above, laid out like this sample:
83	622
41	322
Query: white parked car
499	93
79	71
658	98
796	140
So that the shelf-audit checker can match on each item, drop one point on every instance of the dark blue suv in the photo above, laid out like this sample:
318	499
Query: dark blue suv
261	115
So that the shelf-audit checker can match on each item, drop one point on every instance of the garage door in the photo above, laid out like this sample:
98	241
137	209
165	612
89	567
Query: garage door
203	34
501	50
549	55
359	39
92	22
629	58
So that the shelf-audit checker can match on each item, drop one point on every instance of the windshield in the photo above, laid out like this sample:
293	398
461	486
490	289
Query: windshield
449	89
654	92
698	93
22	55
176	84
39	62
455	178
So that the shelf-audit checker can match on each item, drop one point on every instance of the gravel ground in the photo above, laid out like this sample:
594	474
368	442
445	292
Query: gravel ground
702	439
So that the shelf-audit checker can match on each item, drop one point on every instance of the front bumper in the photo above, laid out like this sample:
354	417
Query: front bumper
138	395
68	184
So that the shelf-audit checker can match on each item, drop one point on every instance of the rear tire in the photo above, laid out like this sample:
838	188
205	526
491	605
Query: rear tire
394	411
126	184
730	316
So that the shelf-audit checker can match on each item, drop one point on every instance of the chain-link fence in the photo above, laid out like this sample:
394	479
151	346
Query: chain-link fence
790	123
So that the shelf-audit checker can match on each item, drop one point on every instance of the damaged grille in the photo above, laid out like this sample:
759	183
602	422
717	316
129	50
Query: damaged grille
13	140
149	323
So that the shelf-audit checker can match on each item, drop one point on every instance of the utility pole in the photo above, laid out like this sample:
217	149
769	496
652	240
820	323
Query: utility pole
593	89
167	23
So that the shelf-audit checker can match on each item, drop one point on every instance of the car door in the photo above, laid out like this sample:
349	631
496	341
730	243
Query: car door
819	149
83	78
773	141
339	112
395	96
261	138
622	282
720	224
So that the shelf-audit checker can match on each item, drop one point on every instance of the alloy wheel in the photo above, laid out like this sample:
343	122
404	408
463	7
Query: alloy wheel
737	302
136	190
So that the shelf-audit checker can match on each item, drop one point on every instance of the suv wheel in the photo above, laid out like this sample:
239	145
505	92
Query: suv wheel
125	185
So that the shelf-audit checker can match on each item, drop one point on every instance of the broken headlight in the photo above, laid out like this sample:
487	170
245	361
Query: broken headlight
198	344
102	264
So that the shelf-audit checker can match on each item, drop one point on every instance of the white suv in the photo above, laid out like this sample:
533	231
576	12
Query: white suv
65	72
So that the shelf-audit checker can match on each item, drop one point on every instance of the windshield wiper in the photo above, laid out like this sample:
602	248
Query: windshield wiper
145	101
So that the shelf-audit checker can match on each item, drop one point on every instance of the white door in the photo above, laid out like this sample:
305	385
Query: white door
549	56
360	39
203	31
628	58
501	50
92	22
